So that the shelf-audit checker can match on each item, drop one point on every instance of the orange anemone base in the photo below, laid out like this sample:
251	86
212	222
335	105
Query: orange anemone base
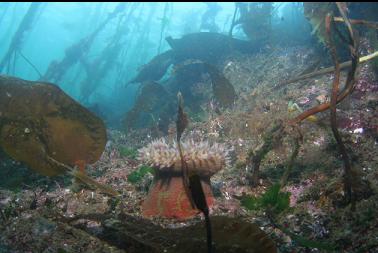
169	199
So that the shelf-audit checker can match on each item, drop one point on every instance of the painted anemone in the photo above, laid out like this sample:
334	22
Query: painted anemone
167	197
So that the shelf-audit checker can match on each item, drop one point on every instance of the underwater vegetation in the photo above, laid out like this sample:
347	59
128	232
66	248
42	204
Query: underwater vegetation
47	130
255	19
274	149
128	152
152	105
272	200
138	175
19	37
40	121
204	46
187	71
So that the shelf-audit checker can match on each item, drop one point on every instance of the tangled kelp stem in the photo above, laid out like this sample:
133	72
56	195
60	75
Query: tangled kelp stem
343	65
181	124
73	54
354	54
336	97
296	143
30	63
85	178
358	22
328	70
335	89
19	36
192	183
271	138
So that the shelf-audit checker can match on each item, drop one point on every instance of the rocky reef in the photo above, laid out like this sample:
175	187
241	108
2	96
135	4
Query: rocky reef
284	188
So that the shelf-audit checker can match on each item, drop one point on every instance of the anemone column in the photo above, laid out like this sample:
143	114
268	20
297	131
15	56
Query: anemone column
167	197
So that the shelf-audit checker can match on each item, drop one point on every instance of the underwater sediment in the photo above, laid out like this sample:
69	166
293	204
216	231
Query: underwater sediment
281	130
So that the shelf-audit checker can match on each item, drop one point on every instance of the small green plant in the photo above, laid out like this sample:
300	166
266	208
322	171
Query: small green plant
304	242
274	202
272	199
137	175
128	152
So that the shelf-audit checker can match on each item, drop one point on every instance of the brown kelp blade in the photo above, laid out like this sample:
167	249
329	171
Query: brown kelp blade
38	120
155	69
223	91
153	100
229	235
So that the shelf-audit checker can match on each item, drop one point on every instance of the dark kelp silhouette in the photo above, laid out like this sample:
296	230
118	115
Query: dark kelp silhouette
155	69
353	182
74	53
153	106
18	38
204	46
156	99
230	235
192	181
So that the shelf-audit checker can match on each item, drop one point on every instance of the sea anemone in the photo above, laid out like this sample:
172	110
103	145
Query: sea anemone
167	196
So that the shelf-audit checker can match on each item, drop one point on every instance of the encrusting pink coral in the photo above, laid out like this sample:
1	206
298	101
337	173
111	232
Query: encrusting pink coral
167	197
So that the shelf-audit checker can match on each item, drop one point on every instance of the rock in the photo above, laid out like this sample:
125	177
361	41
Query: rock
322	98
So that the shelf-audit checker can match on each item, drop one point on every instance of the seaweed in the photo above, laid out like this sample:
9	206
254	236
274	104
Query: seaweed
295	142
273	136
128	152
334	97
207	46
208	18
165	20
155	69
255	19
304	242
189	72
49	131
192	182
324	71
97	69
76	52
223	90
40	115
138	175
230	235
316	13
152	107
272	200
18	38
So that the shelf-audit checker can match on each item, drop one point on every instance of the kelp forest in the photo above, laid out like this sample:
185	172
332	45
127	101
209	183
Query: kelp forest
213	127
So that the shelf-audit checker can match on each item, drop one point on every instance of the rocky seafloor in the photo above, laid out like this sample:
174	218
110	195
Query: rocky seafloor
41	214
